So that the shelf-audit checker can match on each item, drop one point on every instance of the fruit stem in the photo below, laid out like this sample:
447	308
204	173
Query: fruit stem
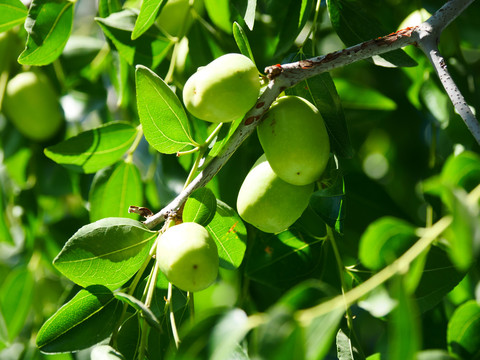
191	305
172	315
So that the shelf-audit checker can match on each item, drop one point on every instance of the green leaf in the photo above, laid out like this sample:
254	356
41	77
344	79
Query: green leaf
349	19
149	49
362	98
148	12
384	241
140	306
230	235
463	332
16	299
462	170
113	190
404	332
105	352
94	149
434	355
228	333
164	120
12	13
200	207
320	91
107	252
438	279
5	235
464	232
49	24
88	318
219	13
345	348
242	41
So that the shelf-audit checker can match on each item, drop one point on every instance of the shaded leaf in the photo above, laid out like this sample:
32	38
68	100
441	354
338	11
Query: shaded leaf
94	149
163	117
88	318
362	98
200	207
140	306
463	332
149	50
49	24
12	13
349	19
384	241
230	235
107	252
113	190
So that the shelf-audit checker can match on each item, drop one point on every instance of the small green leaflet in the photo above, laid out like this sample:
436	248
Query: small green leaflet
164	120
146	17
94	149
113	190
12	13
107	252
88	318
463	331
49	24
230	235
149	50
242	41
200	207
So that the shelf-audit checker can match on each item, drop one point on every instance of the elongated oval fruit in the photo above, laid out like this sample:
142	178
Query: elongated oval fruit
188	256
295	140
32	105
223	90
269	203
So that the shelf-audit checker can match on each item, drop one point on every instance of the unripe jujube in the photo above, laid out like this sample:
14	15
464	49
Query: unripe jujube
269	203
188	256
295	140
223	90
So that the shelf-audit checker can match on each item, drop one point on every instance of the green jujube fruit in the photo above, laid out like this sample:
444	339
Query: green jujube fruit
295	140
224	90
188	257
269	203
32	105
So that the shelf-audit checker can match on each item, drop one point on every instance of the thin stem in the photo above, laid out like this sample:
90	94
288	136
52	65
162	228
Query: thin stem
135	143
173	324
191	305
399	266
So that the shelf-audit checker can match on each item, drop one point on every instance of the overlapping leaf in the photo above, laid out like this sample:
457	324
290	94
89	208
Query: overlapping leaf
200	207
12	13
94	149
107	252
146	16
164	120
463	331
49	24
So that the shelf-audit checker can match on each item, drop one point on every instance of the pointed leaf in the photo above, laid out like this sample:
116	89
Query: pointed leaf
345	349
200	207
384	240
349	19
230	235
149	50
107	252
242	41
140	306
148	12
12	13
163	117
49	24
463	332
114	190
84	321
94	149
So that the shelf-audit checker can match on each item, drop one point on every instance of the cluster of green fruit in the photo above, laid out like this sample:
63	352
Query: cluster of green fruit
277	189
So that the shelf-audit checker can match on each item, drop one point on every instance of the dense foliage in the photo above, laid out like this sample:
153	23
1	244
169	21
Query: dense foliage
381	265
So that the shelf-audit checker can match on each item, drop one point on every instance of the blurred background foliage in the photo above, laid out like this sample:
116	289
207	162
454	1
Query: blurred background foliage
401	126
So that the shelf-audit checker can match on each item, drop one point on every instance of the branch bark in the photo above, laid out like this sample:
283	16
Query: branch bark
284	76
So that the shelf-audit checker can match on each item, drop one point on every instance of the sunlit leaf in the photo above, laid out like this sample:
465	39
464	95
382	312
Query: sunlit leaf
345	347
163	117
146	17
12	13
84	321
362	98
49	24
107	252
94	149
242	41
105	352
200	207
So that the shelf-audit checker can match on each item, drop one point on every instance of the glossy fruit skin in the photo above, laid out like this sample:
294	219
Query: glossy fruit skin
269	203
223	90
187	255
32	105
295	140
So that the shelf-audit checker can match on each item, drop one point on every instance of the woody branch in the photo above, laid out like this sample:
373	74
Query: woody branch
284	76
